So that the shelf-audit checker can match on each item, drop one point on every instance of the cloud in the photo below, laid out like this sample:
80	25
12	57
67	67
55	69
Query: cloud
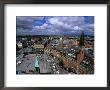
55	25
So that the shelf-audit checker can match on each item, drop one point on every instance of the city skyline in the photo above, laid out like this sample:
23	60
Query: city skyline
54	25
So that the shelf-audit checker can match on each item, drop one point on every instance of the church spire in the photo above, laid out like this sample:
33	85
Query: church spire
81	42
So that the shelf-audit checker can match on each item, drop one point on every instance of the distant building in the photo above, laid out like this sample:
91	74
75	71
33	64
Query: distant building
19	44
74	42
38	46
66	42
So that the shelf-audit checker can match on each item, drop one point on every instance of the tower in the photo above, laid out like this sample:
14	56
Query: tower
80	55
81	41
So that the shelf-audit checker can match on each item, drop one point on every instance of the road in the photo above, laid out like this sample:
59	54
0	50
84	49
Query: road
44	65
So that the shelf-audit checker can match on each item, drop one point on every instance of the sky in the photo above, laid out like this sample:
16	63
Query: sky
54	25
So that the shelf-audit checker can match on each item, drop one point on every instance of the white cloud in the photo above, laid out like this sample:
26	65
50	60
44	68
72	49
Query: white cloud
77	28
58	24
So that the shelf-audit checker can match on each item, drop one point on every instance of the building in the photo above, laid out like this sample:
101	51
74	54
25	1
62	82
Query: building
81	41
19	44
81	53
37	66
38	46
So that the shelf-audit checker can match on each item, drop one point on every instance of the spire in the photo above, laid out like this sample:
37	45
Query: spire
81	42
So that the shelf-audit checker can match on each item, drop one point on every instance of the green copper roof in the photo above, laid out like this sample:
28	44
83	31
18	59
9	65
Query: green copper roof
37	62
